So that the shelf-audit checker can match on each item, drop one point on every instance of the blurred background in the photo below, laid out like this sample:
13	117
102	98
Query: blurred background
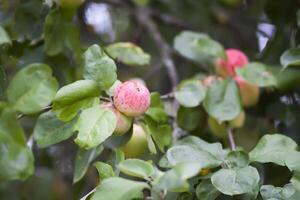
263	29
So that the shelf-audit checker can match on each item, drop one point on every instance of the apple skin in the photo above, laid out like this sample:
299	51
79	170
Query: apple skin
123	122
249	92
235	59
220	130
69	3
132	98
137	144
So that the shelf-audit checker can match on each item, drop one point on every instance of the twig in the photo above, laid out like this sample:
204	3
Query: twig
231	139
167	96
143	16
47	108
107	99
88	194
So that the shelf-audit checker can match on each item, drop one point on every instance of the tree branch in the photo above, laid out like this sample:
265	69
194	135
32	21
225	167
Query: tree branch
231	139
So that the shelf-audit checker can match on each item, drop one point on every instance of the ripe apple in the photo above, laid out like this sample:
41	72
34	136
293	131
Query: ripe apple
235	59
132	98
249	92
123	122
137	144
69	3
219	129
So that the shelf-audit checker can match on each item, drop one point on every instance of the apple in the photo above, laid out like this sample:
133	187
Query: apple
235	59
69	3
219	129
249	92
132	98
137	144
123	122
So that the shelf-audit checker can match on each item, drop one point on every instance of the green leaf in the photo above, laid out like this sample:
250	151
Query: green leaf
111	90
105	170
190	118
83	160
49	130
157	109
181	154
237	159
269	192
198	47
292	161
175	180
137	168
128	53
206	191
290	57
124	189
17	161
99	67
4	37
295	180
32	88
161	134
273	148
235	181
95	125
59	32
222	100
257	74
74	97
190	93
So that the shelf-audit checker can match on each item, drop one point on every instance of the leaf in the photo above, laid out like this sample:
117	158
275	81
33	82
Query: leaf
206	191
156	111
32	88
111	90
74	97
125	189
99	67
292	161
269	192
237	159
257	74
290	57
198	47
83	160
17	161
222	100
128	53
175	180
190	93
59	32
295	180
105	170
49	130
95	125
137	168
190	118
235	181
4	37
273	148
183	154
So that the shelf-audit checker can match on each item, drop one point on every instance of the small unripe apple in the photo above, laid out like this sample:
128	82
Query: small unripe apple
69	3
123	122
219	129
249	92
132	98
137	144
209	80
235	59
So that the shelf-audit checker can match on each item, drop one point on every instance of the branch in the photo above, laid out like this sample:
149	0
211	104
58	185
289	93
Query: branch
231	139
143	16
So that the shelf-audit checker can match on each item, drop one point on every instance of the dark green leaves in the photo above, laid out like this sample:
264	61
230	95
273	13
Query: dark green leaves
49	130
136	168
32	89
273	148
222	100
99	67
198	47
190	93
4	37
235	181
16	161
128	53
94	126
124	189
74	97
105	170
156	111
290	57
257	74
206	191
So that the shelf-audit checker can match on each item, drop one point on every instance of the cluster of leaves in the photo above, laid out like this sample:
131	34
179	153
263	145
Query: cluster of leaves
74	111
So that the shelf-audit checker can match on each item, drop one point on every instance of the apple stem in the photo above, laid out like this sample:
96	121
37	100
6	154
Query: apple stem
231	139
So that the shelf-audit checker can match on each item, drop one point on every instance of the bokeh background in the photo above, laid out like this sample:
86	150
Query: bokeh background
263	29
